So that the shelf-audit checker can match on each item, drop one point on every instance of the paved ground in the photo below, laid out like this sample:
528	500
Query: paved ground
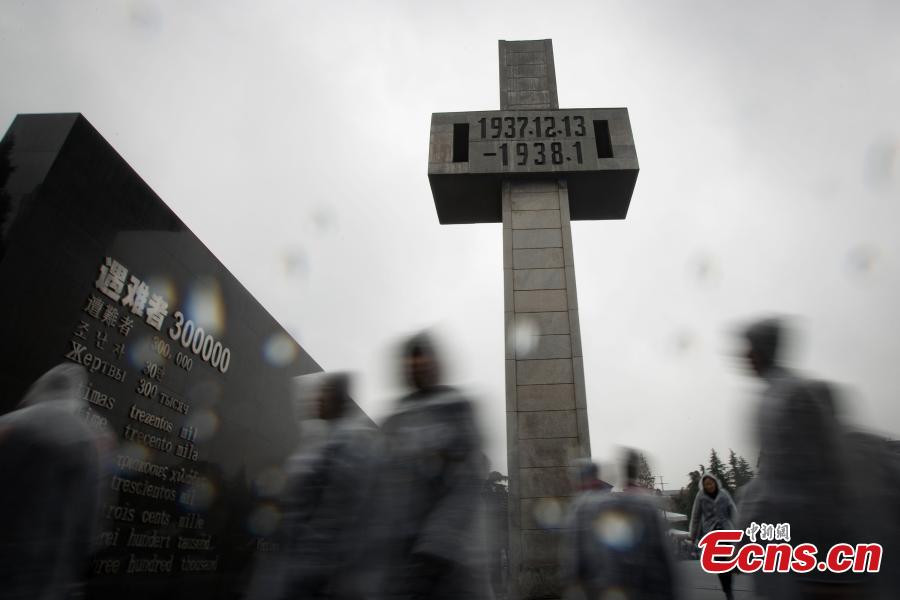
698	585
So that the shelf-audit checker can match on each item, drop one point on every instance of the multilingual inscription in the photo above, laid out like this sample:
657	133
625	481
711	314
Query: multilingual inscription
174	350
200	343
97	397
94	363
149	440
155	501
134	295
140	488
148	418
112	283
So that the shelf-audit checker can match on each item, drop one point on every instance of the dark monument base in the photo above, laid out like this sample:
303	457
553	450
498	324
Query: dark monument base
186	368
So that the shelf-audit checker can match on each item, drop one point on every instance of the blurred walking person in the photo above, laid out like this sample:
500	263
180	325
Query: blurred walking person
805	467
426	532
617	547
713	510
51	463
322	504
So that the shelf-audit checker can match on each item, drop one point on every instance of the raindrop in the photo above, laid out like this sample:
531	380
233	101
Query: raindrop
524	334
279	350
616	530
206	423
264	520
199	496
548	513
882	163
683	342
270	482
862	259
296	263
206	307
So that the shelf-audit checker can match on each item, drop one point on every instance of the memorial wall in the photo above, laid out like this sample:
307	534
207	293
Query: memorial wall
186	369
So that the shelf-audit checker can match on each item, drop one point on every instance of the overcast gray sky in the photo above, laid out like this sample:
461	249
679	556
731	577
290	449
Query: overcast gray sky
292	138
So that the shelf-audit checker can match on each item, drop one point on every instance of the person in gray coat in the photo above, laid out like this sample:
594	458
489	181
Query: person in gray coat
805	471
322	503
425	534
52	462
713	510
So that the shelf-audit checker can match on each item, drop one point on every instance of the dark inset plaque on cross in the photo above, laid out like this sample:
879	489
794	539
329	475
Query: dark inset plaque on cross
593	148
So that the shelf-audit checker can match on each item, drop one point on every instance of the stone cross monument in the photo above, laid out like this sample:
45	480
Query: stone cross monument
534	168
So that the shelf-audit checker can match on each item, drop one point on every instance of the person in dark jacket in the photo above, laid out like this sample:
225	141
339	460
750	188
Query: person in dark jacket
713	510
616	546
52	462
426	528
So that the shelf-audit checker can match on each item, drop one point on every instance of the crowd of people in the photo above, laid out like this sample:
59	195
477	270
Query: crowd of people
395	512
831	485
388	513
392	515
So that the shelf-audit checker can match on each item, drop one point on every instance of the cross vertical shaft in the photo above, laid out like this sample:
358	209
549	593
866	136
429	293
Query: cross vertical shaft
535	168
545	398
527	75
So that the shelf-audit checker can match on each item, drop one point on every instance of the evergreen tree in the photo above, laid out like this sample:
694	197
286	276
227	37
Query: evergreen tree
743	474
684	501
739	471
733	477
717	470
733	467
645	476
